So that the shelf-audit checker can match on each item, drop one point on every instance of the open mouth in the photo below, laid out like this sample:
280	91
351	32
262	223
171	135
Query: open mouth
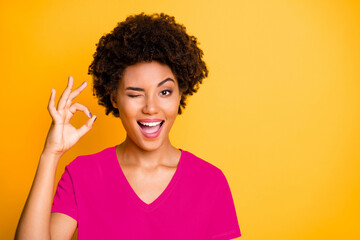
150	127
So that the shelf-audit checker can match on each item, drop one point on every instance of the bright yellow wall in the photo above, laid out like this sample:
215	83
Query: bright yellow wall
279	113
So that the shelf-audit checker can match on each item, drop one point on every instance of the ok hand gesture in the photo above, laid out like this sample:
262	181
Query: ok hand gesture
62	135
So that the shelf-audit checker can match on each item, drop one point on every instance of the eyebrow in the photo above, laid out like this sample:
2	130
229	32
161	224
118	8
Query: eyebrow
164	81
141	89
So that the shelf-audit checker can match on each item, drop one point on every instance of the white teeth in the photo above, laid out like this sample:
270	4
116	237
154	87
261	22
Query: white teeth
150	124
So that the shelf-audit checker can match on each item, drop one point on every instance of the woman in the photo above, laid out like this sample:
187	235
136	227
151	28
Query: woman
143	188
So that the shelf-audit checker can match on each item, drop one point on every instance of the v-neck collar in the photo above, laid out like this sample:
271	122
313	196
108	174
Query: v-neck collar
153	205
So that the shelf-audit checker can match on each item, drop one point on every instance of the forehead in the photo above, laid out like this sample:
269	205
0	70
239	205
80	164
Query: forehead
146	73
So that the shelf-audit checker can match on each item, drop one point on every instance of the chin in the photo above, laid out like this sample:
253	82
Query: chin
145	144
149	146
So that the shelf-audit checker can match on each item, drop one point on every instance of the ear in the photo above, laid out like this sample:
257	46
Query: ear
181	95
113	100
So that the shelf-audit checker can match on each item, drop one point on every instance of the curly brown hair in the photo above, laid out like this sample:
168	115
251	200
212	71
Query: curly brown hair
144	38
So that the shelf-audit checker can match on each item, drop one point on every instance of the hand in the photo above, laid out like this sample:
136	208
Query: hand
62	135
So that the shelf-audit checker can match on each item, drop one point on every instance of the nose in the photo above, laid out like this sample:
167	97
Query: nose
150	106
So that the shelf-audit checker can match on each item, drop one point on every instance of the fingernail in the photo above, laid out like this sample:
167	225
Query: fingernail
95	119
83	82
90	114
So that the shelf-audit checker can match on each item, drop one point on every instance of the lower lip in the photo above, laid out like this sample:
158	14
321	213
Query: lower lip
152	135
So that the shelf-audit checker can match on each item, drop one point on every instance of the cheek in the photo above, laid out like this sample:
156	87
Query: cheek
128	108
172	107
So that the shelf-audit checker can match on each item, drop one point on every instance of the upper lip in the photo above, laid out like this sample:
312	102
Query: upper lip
150	120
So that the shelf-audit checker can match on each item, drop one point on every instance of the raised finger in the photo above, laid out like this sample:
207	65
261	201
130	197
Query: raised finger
65	95
76	92
51	106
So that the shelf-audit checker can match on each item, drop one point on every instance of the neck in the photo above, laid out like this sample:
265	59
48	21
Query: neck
132	154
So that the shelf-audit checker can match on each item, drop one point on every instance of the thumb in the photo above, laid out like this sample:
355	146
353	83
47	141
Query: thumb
87	126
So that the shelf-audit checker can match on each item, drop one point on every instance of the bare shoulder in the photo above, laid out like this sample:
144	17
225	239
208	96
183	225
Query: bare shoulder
62	226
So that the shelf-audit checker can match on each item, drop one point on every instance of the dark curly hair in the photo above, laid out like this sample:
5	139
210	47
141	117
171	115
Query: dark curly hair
143	38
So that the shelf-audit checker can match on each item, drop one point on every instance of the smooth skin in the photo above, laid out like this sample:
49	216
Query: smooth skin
147	90
37	221
148	164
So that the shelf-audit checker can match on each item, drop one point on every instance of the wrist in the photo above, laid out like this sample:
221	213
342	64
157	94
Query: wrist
50	156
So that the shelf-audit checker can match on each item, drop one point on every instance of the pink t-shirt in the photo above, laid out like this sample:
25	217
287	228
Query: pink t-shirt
197	203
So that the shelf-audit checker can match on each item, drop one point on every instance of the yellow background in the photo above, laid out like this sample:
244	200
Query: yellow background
279	113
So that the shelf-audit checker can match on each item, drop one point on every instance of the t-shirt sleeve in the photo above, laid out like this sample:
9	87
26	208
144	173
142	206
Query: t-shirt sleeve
223	223
64	198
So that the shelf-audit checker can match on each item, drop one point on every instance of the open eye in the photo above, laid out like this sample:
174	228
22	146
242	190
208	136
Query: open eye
165	92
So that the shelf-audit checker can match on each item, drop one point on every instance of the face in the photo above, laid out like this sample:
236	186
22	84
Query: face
148	99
